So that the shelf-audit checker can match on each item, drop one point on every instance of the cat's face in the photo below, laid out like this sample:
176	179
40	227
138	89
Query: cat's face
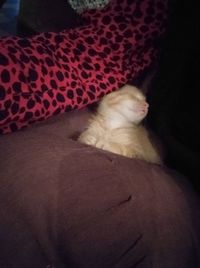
128	102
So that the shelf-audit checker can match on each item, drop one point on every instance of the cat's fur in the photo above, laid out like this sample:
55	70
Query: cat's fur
116	126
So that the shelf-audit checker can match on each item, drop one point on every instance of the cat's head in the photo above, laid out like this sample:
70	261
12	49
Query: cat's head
127	103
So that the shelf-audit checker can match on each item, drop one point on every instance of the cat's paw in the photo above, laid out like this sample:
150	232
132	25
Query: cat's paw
87	139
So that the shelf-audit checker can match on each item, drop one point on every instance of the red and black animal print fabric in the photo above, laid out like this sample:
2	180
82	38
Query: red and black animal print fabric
53	73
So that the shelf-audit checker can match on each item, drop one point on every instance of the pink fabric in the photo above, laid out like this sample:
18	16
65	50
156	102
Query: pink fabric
53	73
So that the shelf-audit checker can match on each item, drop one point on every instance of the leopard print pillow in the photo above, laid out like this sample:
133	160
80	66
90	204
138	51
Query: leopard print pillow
53	73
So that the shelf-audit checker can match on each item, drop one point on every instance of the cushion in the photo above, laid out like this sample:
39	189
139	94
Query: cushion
53	73
65	204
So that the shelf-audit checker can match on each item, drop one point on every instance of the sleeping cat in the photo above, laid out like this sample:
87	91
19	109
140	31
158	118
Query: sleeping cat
117	128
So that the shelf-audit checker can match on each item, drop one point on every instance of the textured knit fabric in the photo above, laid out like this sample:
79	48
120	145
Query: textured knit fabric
81	5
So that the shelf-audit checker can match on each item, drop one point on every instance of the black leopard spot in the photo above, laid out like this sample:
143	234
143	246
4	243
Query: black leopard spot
109	35
54	103
106	70
92	88
3	114
112	27
5	76
33	75
138	37
85	101
150	10
37	113
111	80
68	108
50	93
60	98
137	13
48	35
46	104
2	93
40	50
44	87
22	110
87	66
53	84
3	60
158	17
79	91
40	38
66	75
81	47
92	52
115	46
44	70
107	50
144	28
34	60
60	76
24	43
13	70
119	38
57	111
84	74
73	84
119	19
128	33
28	116
122	26
106	20
13	127
99	77
30	104
90	40
29	51
7	104
103	41
59	39
13	58
97	67
15	108
17	87
33	85
38	99
22	77
70	94
115	58
148	19
73	36
12	49
62	88
102	85
49	62
24	58
77	52
79	100
91	95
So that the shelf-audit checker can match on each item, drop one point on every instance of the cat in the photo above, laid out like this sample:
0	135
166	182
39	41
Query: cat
116	126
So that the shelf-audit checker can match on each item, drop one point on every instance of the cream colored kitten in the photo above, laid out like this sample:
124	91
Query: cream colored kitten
116	126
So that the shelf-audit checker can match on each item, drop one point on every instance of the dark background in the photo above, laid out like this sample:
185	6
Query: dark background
174	93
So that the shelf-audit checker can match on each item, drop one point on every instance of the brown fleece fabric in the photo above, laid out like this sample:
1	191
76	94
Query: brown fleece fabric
65	204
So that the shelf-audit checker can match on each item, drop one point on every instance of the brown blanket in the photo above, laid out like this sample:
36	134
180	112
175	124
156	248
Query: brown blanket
65	204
